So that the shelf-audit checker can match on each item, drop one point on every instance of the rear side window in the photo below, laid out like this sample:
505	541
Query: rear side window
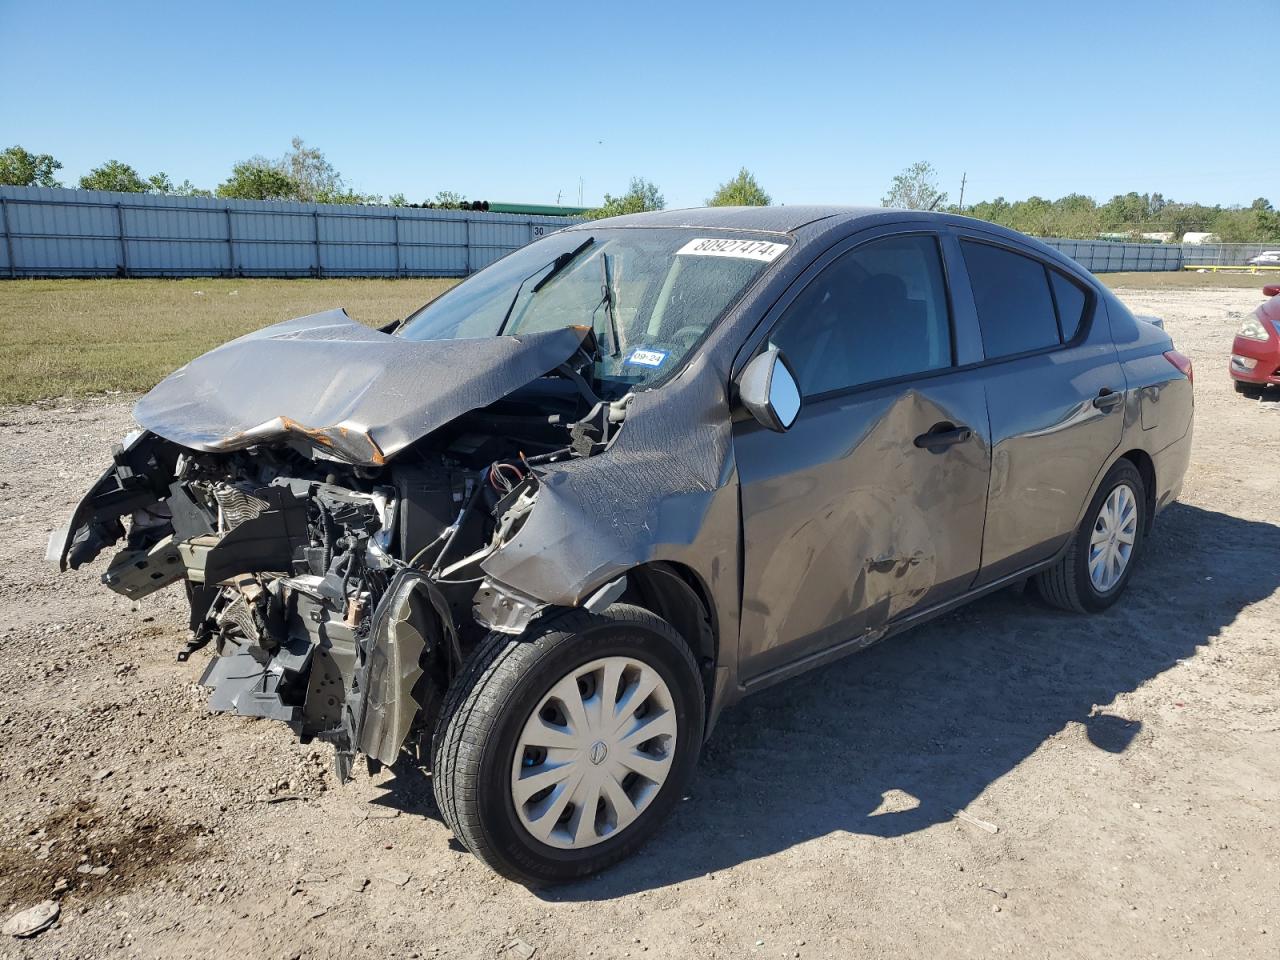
1071	302
878	312
1011	292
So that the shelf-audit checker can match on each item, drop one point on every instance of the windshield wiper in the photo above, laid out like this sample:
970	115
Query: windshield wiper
607	299
561	262
557	265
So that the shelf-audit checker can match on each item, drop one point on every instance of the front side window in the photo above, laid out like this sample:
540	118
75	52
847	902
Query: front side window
648	293
878	312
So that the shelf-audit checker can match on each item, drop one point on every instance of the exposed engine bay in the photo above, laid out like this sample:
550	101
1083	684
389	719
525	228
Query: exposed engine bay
339	597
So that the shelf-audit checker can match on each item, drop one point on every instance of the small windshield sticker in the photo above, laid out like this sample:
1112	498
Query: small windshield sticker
761	250
647	358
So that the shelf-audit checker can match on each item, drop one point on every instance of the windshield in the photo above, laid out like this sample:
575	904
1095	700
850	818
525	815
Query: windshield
649	294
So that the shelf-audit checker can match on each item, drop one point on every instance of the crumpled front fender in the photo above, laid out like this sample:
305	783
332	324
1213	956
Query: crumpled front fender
665	490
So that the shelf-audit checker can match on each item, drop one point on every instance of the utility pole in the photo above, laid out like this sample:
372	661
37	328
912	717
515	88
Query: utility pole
963	177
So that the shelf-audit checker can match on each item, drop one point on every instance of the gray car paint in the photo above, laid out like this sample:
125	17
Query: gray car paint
847	490
848	525
667	489
1049	439
686	475
1159	402
358	393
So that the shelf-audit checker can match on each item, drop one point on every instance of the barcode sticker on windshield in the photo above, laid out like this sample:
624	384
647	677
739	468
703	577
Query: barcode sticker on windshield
647	358
761	250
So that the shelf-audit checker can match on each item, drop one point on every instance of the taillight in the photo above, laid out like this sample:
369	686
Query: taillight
1182	362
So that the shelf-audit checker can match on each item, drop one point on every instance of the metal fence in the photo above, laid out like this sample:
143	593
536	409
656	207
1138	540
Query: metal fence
1106	256
1222	254
84	233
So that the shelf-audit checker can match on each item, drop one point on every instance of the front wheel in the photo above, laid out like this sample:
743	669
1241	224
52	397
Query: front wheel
1096	568
559	752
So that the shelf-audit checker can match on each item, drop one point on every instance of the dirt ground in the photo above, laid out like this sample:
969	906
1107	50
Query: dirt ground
1129	763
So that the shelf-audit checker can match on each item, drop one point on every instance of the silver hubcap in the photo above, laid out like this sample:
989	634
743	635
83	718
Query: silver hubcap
595	753
1114	532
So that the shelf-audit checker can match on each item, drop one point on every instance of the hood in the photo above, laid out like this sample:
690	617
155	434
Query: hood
360	394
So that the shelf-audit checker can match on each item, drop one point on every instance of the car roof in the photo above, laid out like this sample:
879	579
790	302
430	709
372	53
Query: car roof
764	219
790	219
820	220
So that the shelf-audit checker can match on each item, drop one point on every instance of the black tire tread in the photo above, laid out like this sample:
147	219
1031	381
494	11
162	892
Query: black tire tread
1058	585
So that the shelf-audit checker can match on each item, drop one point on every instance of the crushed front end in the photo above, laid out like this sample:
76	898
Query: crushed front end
338	597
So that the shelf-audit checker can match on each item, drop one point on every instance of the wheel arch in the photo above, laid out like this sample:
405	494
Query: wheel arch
1147	469
677	594
1145	466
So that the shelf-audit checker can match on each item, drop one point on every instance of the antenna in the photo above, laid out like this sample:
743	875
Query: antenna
963	177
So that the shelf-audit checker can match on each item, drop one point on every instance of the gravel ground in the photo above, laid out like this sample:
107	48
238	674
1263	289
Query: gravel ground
1126	766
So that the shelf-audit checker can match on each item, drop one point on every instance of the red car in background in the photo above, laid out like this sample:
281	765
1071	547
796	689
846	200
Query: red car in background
1255	353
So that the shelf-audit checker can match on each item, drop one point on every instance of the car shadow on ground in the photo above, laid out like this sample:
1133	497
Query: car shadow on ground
899	738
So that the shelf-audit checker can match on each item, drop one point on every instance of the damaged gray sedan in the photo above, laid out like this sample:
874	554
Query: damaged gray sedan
541	532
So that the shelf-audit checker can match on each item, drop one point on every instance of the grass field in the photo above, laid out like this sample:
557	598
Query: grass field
76	337
1189	280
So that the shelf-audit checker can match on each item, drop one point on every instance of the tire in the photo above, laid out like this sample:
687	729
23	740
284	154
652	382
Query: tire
1251	390
1068	584
491	705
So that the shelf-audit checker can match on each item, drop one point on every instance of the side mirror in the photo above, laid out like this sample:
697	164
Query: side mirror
768	390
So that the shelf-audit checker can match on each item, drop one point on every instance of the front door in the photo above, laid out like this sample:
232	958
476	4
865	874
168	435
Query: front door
872	503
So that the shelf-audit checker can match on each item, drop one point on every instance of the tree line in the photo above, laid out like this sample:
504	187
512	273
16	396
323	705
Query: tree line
643	196
303	173
1079	217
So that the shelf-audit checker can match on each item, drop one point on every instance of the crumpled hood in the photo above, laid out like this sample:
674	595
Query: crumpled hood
359	393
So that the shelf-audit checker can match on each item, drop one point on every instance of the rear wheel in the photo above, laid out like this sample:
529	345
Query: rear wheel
558	753
1096	568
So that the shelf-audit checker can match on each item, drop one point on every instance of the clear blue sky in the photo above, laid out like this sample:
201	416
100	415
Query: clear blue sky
824	102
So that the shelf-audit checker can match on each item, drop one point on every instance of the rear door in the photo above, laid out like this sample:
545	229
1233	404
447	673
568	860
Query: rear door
853	516
1055	397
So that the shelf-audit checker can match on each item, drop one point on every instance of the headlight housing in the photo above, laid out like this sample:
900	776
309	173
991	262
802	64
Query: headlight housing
1252	329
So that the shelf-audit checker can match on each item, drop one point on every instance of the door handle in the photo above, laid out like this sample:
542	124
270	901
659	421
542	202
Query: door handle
1107	398
941	436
